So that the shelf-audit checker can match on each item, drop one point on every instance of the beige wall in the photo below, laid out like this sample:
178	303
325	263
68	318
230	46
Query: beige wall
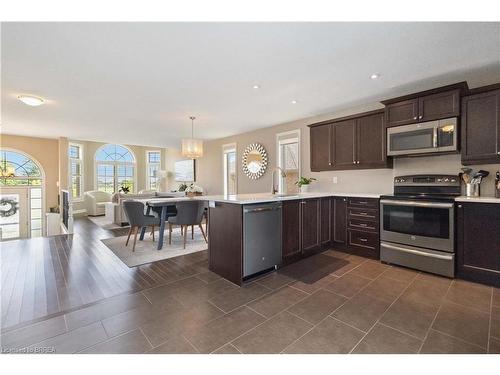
210	173
46	152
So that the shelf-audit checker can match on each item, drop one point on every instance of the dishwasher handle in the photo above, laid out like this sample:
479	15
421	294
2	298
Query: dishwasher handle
262	209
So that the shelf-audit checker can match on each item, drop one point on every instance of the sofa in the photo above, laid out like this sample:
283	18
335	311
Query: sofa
120	218
95	202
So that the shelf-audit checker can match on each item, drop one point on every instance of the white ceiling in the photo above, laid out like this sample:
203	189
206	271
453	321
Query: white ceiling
138	83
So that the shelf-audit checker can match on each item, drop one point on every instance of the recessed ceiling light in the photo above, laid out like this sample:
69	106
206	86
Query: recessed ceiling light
256	86
31	100
375	76
294	102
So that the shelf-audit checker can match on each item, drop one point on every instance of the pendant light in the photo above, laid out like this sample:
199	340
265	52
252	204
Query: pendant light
192	148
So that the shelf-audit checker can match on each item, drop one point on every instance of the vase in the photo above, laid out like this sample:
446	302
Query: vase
304	189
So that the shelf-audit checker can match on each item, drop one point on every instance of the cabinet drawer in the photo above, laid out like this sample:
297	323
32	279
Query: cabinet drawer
363	202
363	239
364	225
363	213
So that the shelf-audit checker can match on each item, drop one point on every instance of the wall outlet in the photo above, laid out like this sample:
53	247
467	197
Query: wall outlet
335	180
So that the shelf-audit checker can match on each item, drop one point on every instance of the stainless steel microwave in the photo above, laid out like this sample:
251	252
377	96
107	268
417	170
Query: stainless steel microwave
423	138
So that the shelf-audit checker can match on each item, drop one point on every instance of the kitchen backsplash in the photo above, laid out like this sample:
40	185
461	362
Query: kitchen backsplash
381	180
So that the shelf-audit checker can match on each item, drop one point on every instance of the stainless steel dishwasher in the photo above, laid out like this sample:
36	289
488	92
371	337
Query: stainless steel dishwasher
261	237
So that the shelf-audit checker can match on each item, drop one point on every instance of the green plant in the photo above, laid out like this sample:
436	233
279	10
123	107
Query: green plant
182	187
125	189
304	181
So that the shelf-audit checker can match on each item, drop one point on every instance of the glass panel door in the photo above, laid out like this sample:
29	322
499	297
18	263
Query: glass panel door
13	218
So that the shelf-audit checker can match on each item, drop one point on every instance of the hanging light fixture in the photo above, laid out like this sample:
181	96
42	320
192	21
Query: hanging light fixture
192	148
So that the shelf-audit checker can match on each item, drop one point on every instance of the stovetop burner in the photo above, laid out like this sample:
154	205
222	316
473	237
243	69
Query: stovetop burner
432	187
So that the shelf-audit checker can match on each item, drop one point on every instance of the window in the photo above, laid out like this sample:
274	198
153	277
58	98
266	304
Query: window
229	160
153	161
115	168
288	150
76	170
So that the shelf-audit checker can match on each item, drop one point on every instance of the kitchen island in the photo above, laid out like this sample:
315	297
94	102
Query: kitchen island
307	223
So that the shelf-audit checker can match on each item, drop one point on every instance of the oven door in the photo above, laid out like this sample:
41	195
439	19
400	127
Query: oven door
422	224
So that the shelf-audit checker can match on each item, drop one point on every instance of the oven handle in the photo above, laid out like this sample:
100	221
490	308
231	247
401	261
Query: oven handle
416	204
416	252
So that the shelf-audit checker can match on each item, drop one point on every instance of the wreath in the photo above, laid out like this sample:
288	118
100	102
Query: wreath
13	207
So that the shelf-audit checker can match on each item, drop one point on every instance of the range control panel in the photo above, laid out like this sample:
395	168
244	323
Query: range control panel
427	180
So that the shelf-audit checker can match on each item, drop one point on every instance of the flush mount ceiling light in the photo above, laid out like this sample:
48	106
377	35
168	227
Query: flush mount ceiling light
192	148
375	76
31	100
256	87
293	102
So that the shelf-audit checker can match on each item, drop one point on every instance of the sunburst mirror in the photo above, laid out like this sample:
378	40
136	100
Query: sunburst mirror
254	161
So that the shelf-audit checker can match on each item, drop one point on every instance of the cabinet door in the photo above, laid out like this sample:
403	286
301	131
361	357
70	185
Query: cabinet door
402	113
344	147
325	224
439	106
481	128
320	147
310	225
291	229
339	221
370	148
478	242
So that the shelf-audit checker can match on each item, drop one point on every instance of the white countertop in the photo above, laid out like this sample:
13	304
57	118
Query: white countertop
477	199
266	197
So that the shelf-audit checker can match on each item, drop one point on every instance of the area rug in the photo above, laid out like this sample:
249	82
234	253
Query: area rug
104	223
146	250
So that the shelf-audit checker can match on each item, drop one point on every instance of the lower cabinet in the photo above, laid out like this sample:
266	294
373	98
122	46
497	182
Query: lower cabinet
478	242
339	221
301	229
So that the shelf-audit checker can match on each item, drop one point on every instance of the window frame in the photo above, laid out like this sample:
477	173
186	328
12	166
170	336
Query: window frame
227	149
288	137
115	165
70	172
148	164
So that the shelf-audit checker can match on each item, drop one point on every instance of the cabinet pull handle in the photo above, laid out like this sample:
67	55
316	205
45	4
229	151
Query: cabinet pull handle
354	162
415	117
363	213
362	202
498	153
459	206
363	240
362	225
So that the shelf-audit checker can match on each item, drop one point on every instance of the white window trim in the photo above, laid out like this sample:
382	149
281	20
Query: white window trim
82	173
148	187
227	148
294	136
115	163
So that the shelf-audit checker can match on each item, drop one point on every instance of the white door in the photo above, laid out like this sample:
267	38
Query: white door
14	213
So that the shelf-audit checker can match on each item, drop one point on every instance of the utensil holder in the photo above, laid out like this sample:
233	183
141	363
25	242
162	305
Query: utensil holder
497	188
472	190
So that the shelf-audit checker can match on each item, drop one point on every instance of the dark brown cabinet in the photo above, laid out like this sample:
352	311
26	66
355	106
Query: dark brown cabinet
424	107
301	227
310	225
291	222
325	221
478	242
356	142
339	221
481	128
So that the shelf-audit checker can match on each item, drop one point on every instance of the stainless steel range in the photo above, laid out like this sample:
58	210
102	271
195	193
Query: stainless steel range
417	223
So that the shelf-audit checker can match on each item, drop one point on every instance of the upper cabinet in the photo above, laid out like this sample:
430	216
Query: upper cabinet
481	128
436	104
355	142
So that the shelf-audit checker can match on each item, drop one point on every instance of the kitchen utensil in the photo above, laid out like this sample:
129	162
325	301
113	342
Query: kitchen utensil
466	175
497	184
472	190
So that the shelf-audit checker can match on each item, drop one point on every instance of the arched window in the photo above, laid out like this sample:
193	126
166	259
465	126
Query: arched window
21	198
115	168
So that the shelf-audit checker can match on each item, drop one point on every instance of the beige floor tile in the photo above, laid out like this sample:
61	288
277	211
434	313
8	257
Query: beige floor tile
273	335
133	342
219	332
348	285
313	284
371	269
385	288
239	297
176	345
385	340
227	349
362	311
494	347
426	290
439	343
275	280
495	322
471	295
329	337
277	301
318	305
401	274
464	323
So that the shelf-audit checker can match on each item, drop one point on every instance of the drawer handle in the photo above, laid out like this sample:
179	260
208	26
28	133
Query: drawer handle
362	202
363	225
363	240
362	213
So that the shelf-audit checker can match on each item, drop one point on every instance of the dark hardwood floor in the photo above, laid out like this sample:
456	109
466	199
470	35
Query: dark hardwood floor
50	275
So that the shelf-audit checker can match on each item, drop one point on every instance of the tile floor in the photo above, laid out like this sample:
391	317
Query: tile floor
328	303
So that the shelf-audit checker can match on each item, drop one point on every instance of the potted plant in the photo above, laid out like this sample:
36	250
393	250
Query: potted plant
124	189
182	187
303	183
193	190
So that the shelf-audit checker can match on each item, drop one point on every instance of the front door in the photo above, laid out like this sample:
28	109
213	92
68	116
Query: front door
13	213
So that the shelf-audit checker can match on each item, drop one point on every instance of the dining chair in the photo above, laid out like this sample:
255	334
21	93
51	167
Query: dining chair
188	214
137	219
